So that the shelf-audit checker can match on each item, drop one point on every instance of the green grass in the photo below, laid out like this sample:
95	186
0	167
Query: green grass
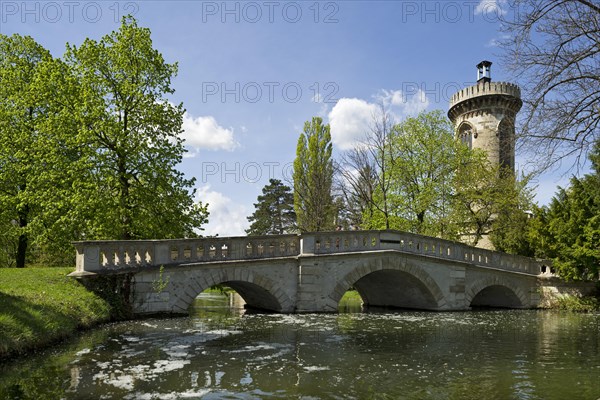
39	306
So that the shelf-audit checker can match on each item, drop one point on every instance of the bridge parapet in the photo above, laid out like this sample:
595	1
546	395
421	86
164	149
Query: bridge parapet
350	241
107	255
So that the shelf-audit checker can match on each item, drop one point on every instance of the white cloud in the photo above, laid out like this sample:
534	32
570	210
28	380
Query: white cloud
350	120
226	217
404	104
490	8
204	133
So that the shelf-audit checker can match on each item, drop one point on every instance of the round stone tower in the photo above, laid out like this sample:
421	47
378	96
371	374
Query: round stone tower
484	116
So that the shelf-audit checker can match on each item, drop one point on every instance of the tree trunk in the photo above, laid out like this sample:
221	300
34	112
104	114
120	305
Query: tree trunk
23	239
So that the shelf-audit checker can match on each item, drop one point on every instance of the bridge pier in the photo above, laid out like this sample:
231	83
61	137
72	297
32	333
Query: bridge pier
311	272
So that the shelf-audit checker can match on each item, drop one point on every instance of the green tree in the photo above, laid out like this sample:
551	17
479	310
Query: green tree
274	211
514	208
20	114
426	156
490	203
131	135
421	159
313	178
568	229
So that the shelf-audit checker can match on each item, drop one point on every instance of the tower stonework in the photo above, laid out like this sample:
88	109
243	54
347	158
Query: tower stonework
484	114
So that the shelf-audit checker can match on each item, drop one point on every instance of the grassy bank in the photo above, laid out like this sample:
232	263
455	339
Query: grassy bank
39	306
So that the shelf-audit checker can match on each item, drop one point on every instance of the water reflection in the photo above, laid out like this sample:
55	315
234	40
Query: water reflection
224	351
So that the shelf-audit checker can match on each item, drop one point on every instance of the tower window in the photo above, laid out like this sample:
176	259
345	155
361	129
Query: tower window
465	134
506	143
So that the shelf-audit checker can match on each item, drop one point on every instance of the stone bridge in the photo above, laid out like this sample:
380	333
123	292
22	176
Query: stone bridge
311	272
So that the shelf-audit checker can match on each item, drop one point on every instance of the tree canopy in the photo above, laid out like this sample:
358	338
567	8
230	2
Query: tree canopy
274	211
313	178
133	134
568	229
415	176
89	146
22	112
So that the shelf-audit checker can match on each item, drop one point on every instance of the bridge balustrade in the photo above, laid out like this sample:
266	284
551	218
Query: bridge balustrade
344	241
350	241
94	256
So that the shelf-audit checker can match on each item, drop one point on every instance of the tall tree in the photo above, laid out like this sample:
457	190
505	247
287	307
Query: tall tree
132	189
274	211
356	182
20	114
313	178
552	48
568	229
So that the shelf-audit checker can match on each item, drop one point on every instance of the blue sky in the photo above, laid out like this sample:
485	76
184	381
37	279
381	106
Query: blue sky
252	72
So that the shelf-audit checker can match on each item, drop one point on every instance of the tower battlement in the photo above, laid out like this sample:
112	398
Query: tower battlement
485	89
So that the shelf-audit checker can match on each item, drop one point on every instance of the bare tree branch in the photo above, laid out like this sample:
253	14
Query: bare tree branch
553	49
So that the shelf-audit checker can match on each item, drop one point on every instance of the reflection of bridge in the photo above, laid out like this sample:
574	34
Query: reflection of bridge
311	272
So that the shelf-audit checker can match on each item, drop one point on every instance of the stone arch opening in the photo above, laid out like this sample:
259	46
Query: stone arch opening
496	296
396	285
259	293
256	297
392	288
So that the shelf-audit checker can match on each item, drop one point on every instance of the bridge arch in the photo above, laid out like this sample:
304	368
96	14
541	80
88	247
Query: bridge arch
495	292
257	291
393	283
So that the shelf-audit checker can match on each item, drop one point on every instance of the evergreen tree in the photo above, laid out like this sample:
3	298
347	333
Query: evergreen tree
568	229
274	211
313	178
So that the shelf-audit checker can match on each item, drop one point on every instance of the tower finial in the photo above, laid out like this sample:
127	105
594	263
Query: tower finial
484	71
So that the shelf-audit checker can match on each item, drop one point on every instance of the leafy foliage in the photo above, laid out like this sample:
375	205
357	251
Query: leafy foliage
132	132
89	147
415	176
274	211
568	229
313	178
423	159
21	111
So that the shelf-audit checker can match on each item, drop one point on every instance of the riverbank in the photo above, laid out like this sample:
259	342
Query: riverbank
39	306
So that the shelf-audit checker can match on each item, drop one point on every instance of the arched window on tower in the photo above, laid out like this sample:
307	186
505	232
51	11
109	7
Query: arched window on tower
466	134
506	143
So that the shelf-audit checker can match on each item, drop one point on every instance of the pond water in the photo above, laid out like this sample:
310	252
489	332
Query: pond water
222	351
